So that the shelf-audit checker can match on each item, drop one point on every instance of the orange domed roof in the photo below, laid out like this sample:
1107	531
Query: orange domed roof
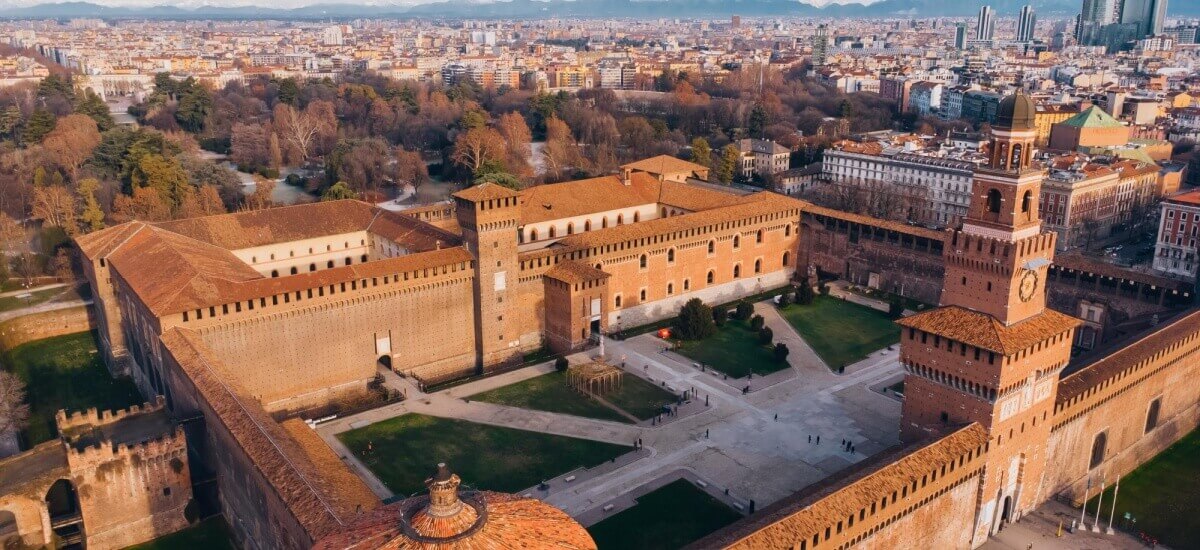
446	519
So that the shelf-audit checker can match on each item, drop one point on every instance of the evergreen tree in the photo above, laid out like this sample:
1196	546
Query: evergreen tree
338	191
804	295
744	311
696	321
757	322
780	352
40	123
561	364
91	215
720	315
91	105
765	335
701	152
758	121
727	166
289	91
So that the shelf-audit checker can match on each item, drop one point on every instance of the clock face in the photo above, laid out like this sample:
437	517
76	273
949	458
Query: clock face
1029	283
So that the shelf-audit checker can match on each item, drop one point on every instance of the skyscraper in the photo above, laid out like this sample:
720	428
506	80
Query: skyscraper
820	47
1148	15
1095	14
1025	24
986	26
960	36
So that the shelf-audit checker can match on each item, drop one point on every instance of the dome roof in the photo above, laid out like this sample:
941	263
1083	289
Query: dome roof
444	519
1016	112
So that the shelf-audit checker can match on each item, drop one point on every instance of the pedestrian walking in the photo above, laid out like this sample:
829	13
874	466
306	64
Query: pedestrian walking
818	440
810	438
777	417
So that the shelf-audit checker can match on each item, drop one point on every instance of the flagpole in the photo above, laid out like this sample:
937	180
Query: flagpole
1083	509
1116	489
1099	503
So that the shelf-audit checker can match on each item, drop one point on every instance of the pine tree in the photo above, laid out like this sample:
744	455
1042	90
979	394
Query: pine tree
696	321
701	152
91	215
91	105
338	191
40	123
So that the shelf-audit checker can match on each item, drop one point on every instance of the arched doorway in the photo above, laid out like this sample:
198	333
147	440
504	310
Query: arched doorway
1006	511
385	361
62	505
10	536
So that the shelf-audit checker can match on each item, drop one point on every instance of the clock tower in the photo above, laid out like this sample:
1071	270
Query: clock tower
991	352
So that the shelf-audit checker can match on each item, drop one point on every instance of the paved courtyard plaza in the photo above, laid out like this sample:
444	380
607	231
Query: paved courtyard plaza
761	446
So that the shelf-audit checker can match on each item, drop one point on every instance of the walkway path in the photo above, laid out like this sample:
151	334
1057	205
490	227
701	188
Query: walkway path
757	446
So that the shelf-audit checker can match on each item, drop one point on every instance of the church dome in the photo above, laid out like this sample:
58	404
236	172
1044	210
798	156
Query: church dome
449	519
1016	112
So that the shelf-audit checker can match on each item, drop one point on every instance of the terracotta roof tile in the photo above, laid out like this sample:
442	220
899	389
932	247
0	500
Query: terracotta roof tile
485	191
275	225
575	272
984	331
576	198
665	164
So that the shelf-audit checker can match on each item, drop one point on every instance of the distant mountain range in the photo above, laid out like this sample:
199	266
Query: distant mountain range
535	9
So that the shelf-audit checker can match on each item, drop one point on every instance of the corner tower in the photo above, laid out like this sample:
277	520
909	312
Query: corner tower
992	352
488	215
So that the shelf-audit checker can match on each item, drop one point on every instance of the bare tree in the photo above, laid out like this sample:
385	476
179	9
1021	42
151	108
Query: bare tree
477	146
14	411
55	206
298	130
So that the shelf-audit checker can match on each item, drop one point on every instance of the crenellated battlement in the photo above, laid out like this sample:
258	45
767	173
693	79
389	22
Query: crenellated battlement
93	418
166	445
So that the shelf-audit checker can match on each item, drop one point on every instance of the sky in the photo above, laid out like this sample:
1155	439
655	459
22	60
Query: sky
286	4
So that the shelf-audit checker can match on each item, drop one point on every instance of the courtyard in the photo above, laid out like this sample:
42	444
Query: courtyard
65	372
549	392
1160	496
671	516
401	452
733	350
841	332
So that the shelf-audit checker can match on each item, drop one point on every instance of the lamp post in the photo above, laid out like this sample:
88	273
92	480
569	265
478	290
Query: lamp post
1099	502
1112	513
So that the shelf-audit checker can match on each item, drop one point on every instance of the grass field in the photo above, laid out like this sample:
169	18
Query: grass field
60	294
65	372
210	534
549	392
407	448
842	332
733	350
669	517
1162	495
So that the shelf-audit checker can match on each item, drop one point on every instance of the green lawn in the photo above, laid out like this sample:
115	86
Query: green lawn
669	517
408	447
1162	495
733	350
640	398
65	372
549	392
210	534
842	332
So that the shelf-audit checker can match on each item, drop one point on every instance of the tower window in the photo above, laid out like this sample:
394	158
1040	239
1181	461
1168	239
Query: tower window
993	201
1152	414
1098	445
1026	200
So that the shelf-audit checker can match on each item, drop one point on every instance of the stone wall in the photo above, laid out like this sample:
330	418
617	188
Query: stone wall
27	328
1114	396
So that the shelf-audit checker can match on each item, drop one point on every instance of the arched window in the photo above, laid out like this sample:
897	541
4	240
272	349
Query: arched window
274	272
785	258
617	300
1098	445
687	285
604	222
642	261
670	289
1015	160
737	241
620	219
329	264
737	271
552	232
671	255
758	266
312	267
349	261
1026	201
758	237
710	277
787	230
294	270
712	245
587	225
533	234
1152	415
637	216
571	228
993	201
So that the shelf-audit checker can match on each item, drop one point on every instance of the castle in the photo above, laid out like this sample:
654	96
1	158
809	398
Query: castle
241	319
112	479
